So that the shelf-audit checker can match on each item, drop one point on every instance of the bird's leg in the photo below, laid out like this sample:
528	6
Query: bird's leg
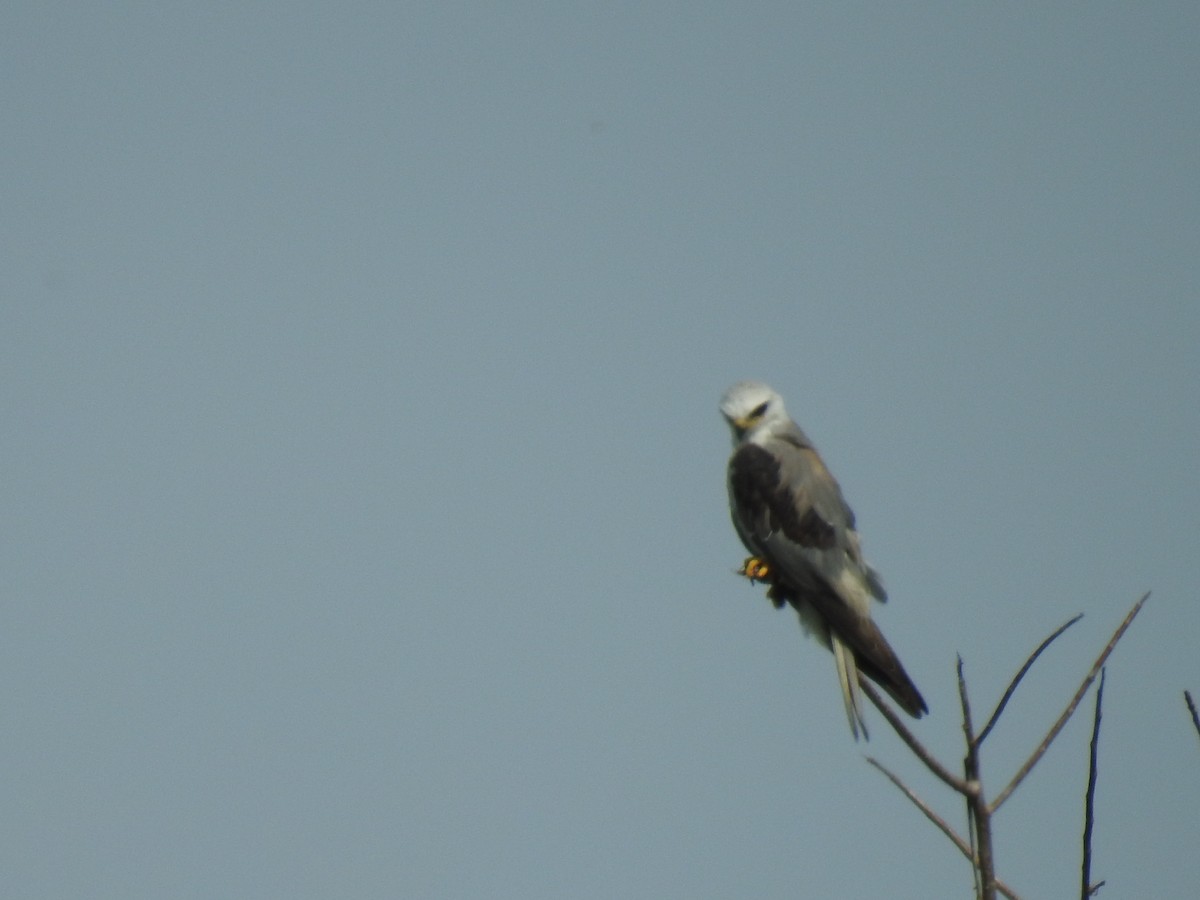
754	569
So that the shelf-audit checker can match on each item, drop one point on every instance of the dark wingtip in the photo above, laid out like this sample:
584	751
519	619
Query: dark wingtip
905	693
916	706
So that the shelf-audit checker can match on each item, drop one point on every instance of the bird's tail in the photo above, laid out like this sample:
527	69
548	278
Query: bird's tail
847	670
877	660
858	647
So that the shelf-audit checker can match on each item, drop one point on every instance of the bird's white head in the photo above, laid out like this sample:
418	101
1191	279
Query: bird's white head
753	411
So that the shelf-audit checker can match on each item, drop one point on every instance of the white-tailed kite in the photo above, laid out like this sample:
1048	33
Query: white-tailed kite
789	512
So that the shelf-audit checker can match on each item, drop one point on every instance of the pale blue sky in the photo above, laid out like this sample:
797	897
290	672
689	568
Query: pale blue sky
364	523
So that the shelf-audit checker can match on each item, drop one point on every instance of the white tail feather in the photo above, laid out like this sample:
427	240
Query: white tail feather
847	671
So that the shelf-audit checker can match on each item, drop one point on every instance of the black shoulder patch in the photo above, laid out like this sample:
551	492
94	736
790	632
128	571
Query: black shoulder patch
766	505
810	530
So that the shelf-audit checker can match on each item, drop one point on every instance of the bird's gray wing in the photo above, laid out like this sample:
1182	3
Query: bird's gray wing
789	510
787	506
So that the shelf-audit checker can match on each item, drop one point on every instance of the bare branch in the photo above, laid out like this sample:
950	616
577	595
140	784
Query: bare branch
1006	890
914	745
1067	713
1191	705
938	821
978	813
1089	800
965	702
968	766
991	723
920	804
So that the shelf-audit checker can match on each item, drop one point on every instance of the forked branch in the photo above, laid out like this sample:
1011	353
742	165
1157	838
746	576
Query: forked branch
978	850
940	823
1067	713
914	745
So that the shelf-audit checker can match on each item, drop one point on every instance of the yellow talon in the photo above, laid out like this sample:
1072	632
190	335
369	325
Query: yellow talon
755	569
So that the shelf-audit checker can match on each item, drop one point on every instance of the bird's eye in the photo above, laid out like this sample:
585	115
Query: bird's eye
760	410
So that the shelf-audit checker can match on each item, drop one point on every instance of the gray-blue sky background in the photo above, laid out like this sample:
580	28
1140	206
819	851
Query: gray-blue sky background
364	524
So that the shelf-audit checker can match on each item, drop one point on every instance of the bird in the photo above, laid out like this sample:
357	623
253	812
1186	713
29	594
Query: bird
789	512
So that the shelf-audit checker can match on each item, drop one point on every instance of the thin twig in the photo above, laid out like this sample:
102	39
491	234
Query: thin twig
1066	714
920	804
991	723
1089	800
914	745
1191	705
939	822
